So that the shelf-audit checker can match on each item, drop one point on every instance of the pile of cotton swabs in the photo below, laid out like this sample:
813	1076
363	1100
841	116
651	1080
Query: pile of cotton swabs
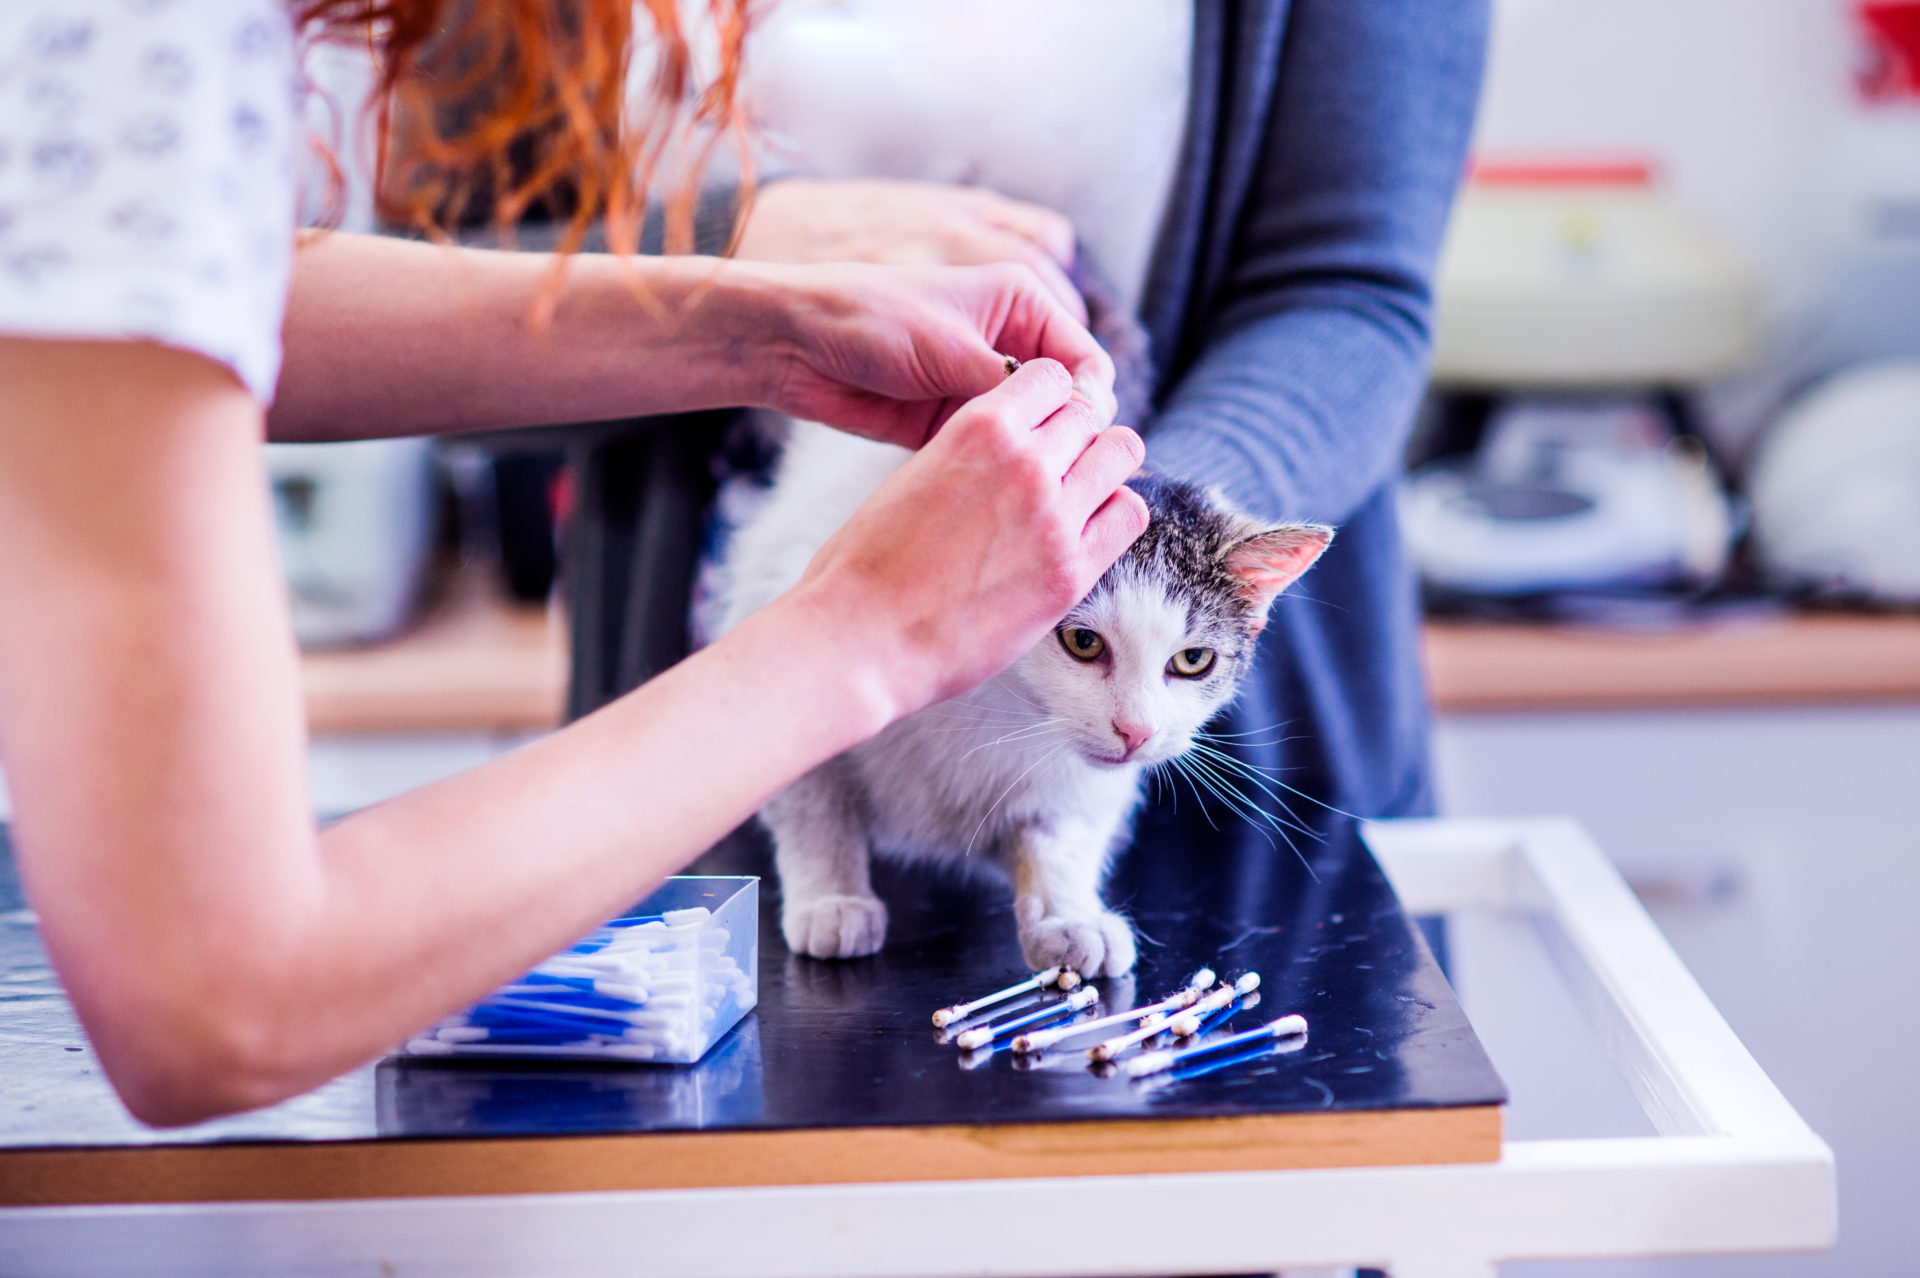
1187	1016
640	987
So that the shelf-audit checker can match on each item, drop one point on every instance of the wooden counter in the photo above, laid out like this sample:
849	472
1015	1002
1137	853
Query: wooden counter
1805	658
480	664
475	663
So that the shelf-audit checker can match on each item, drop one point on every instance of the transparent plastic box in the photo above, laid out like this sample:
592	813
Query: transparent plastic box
662	983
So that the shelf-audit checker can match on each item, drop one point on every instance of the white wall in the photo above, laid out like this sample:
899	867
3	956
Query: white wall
1736	98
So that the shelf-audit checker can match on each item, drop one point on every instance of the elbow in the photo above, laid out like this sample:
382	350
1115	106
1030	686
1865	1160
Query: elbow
186	1065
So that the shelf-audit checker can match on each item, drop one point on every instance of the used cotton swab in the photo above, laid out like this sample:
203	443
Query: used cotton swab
1061	977
1114	1046
1153	1062
980	1036
1187	1023
1187	997
1192	1016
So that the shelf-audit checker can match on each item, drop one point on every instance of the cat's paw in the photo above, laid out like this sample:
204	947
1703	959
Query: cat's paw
1092	945
834	926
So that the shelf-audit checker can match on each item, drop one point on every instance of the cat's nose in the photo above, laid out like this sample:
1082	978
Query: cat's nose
1132	733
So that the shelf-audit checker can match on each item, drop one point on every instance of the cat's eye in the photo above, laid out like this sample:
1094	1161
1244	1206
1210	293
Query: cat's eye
1191	663
1081	642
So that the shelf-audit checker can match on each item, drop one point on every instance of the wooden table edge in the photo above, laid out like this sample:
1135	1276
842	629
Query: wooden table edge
468	1166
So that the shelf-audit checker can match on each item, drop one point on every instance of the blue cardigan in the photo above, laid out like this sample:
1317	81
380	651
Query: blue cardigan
1288	303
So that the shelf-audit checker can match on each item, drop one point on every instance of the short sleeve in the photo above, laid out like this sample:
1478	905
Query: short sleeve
148	174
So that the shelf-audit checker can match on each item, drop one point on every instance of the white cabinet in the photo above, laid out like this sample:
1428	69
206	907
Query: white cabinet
1779	850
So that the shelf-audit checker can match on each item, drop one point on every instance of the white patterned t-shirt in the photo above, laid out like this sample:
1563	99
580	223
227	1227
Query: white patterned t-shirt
148	174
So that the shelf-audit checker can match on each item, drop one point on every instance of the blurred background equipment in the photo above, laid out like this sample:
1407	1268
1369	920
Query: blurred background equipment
355	523
1836	487
1581	272
1578	285
1569	494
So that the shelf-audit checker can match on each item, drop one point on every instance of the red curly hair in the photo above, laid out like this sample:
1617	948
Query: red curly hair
505	107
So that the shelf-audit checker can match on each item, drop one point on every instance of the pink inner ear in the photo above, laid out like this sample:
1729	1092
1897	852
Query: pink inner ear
1270	562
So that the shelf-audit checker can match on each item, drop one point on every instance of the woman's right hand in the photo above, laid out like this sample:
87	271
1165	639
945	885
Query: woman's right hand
979	544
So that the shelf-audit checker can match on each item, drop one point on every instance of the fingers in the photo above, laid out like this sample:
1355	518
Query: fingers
1038	327
1100	469
1063	437
1052	231
1031	395
984	242
1115	526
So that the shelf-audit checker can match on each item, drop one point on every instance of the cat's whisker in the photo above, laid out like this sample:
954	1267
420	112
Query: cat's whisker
1249	737
1179	771
985	816
1231	795
1019	734
1260	777
1269	775
1197	779
1245	732
1242	802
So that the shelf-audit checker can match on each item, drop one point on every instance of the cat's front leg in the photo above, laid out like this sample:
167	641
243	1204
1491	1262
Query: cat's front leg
1057	871
828	908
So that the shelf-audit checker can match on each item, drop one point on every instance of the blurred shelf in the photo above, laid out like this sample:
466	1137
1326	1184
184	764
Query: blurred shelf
476	662
480	663
1770	661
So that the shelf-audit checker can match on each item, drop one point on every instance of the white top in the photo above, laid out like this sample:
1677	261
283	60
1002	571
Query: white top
148	174
1078	105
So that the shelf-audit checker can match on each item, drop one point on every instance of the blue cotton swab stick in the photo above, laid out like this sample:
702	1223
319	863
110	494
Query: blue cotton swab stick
1153	1062
984	1034
1187	1024
1187	997
1063	978
1214	1061
1224	1015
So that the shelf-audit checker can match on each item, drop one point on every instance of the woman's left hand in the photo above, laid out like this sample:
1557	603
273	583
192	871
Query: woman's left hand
890	352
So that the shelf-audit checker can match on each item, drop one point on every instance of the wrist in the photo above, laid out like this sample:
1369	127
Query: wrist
755	316
834	656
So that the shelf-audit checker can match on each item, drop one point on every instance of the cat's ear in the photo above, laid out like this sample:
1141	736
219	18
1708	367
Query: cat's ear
1268	562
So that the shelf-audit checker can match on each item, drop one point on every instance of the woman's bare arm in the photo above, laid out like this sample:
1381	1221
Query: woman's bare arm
395	337
224	954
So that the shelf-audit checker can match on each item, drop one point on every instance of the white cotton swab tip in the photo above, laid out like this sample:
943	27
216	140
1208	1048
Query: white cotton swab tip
1202	979
1149	1063
1054	976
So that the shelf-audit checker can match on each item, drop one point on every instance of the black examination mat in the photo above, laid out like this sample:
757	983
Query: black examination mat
840	1062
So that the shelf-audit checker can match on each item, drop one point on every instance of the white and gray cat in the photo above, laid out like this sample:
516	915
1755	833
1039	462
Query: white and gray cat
1040	769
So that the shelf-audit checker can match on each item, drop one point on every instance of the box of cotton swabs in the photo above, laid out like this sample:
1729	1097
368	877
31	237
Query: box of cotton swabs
661	983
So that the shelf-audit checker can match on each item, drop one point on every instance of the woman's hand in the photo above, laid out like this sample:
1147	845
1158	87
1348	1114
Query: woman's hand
908	224
974	549
892	352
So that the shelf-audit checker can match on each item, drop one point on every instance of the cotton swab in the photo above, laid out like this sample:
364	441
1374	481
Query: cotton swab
1181	1025
1058	977
1187	997
1187	1023
1106	1051
1225	1014
984	1034
1154	1062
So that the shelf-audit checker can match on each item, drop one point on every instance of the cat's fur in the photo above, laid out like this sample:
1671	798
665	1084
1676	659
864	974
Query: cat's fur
1030	770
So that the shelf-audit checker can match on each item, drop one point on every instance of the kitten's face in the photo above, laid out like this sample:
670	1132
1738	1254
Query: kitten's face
1161	642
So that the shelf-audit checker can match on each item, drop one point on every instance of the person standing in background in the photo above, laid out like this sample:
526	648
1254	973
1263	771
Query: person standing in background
1263	182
